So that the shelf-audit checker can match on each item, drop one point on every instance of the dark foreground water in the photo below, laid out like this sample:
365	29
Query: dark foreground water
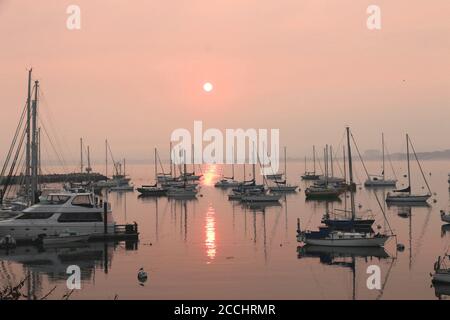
211	248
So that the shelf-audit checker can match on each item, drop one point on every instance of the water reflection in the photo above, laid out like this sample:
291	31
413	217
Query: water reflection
210	175
210	233
347	257
38	262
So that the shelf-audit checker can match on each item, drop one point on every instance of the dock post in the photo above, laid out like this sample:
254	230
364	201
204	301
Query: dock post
105	217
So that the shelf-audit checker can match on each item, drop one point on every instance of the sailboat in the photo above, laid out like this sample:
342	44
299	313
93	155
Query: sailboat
405	195
330	179
185	191
335	238
283	186
226	182
323	189
311	175
153	190
380	180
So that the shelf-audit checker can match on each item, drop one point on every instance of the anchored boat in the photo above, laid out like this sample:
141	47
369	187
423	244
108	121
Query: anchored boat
405	195
56	214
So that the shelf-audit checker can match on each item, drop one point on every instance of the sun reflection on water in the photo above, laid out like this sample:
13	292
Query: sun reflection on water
210	175
210	232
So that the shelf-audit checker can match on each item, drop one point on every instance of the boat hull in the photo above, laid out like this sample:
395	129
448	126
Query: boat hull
369	242
407	198
32	232
442	276
380	183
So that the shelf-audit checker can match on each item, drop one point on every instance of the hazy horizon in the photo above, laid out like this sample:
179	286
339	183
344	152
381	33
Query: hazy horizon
134	72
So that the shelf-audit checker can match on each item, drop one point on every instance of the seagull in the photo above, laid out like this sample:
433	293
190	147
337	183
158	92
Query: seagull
142	275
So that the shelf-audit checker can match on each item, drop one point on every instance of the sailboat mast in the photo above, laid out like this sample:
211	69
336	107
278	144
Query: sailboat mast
156	167
314	159
350	173
285	167
407	158
345	168
331	159
81	155
28	128
193	165
382	147
106	159
34	150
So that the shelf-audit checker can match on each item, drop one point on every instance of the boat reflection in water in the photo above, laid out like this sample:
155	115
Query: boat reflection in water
38	261
346	257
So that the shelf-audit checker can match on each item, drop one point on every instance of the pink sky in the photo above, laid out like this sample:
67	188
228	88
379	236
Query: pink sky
135	70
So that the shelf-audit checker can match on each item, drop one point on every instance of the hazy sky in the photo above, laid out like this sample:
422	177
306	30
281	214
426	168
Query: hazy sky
135	70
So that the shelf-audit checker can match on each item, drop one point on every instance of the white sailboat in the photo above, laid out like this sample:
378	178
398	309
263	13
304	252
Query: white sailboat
333	238
283	186
311	175
153	190
226	182
380	180
405	195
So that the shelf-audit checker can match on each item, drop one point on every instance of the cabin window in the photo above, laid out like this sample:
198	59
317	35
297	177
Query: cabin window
83	201
57	199
80	217
35	215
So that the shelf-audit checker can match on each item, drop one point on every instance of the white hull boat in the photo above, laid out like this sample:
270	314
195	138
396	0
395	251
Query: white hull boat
376	182
342	239
406	198
227	183
283	188
56	215
261	198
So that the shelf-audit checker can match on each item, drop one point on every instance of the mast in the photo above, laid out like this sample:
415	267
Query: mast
306	170
314	159
81	155
106	158
382	147
409	169
232	164
345	169
331	158
156	167
285	167
34	150
28	150
350	172
170	157
192	155
124	167
39	152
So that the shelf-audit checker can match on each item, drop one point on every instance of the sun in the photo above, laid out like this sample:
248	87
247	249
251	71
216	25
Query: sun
208	87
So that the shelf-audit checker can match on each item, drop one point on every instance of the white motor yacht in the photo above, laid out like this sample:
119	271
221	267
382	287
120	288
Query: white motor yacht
56	214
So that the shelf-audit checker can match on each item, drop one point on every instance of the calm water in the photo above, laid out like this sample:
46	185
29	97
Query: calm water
211	248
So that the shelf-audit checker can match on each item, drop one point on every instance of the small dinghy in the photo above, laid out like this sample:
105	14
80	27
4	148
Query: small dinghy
65	238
